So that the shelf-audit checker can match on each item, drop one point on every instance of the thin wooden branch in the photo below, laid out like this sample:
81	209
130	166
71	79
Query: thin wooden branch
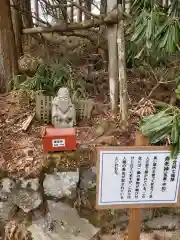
110	19
83	9
26	12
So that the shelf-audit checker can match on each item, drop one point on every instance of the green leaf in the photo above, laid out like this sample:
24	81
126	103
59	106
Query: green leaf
178	92
177	78
161	135
155	126
162	29
149	29
175	149
139	34
139	54
148	118
175	131
155	117
163	40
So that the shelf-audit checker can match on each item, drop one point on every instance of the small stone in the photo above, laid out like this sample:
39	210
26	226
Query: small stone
67	224
6	186
26	200
88	179
32	183
60	184
108	237
160	236
167	222
7	210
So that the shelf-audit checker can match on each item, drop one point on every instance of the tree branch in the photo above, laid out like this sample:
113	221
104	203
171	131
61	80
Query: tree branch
27	13
83	9
110	19
72	4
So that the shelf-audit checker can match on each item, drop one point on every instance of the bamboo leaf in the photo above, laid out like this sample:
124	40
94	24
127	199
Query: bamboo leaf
175	149
153	127
161	135
175	131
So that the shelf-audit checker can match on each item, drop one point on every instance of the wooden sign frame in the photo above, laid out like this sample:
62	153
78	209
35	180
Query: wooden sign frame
122	206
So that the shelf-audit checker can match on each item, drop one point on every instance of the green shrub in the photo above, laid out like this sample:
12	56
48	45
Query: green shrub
49	78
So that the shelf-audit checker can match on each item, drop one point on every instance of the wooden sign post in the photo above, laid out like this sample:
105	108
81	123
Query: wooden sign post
134	226
137	177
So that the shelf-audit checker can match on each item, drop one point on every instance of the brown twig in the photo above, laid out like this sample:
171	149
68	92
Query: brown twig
17	8
83	9
27	122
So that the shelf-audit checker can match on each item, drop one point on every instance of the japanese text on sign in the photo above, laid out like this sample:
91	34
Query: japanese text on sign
138	177
58	142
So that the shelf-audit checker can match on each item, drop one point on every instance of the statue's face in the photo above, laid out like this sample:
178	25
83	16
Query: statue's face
63	92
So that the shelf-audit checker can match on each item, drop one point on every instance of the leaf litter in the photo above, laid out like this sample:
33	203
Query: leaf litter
21	152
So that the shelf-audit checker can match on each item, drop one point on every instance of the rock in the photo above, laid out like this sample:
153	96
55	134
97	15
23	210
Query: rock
101	128
167	222
28	64
7	210
32	183
175	235
108	237
60	184
88	179
25	194
106	140
165	235
160	236
6	186
27	200
146	214
66	225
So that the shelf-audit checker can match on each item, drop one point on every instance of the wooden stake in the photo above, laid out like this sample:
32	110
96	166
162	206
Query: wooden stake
134	226
27	122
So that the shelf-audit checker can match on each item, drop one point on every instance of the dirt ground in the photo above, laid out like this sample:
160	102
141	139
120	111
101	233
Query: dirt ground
21	152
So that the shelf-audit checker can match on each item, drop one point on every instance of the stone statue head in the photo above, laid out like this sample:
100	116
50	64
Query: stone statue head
63	93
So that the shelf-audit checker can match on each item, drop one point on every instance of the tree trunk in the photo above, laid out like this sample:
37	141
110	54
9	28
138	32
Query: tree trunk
36	8
79	12
103	6
27	18
27	21
17	25
63	11
113	60
122	70
88	6
72	14
165	3
70	11
7	44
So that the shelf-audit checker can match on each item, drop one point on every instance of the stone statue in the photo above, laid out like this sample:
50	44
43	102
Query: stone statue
63	111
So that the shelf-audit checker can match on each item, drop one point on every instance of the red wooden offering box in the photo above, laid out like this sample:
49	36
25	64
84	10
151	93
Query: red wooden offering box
59	139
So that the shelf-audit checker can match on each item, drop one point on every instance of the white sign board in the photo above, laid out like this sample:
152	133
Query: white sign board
58	142
137	177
